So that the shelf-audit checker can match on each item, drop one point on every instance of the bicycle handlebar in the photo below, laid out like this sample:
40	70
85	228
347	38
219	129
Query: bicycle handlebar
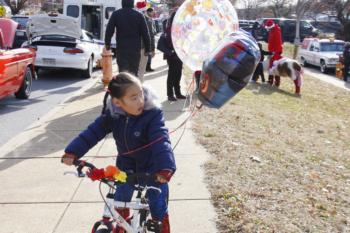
132	178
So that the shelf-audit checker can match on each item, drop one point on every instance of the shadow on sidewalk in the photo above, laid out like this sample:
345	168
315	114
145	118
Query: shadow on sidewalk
156	74
172	110
11	104
91	91
54	138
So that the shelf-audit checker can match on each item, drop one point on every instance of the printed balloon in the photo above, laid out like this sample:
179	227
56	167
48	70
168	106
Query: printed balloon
199	26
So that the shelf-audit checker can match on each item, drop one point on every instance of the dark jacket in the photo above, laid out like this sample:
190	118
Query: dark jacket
169	41
346	53
263	53
130	134
131	28
152	31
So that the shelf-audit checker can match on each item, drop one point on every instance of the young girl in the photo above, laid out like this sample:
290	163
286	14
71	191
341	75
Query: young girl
135	119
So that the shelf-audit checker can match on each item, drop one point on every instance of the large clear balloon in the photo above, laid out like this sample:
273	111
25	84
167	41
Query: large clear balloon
199	26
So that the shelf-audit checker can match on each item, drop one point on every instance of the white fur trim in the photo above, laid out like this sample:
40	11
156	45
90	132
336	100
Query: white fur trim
270	27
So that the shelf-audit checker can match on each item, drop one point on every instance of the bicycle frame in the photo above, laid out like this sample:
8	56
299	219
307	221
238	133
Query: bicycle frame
109	212
135	206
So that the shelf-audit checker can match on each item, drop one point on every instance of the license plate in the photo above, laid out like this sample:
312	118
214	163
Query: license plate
20	33
49	61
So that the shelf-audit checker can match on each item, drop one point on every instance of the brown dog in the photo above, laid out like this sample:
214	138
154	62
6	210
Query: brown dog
290	68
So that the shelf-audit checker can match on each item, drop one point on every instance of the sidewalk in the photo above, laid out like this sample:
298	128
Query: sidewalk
36	197
328	78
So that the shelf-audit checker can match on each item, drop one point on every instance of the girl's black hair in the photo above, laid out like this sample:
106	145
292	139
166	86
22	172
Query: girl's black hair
117	87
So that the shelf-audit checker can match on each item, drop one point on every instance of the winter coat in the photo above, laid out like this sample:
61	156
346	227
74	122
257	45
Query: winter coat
131	27
152	31
275	40
346	54
169	41
130	134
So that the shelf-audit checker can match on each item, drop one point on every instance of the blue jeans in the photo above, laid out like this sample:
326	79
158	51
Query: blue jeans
158	202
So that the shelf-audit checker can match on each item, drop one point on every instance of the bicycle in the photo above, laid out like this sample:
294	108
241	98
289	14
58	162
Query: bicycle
140	221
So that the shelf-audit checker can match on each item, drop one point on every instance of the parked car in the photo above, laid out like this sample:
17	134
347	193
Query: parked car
329	27
323	53
21	34
246	25
288	28
16	65
61	43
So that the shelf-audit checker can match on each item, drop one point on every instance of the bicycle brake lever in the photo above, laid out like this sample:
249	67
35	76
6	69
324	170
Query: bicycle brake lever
74	173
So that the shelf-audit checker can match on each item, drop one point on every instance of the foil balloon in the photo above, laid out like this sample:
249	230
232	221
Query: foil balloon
199	26
228	69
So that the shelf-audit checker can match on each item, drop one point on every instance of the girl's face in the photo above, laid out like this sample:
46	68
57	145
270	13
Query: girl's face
133	101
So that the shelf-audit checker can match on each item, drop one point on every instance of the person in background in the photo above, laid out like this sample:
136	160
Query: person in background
259	71
130	26
144	57
152	31
346	57
175	65
275	46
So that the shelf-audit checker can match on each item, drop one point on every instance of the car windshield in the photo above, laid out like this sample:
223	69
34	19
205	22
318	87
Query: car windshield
332	47
22	21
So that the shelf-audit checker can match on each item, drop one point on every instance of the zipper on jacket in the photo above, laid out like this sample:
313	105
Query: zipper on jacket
125	140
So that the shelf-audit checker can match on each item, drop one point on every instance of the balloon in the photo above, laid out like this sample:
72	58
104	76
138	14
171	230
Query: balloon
228	69
199	26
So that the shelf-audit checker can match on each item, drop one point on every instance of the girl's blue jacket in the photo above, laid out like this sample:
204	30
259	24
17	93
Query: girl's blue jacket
131	133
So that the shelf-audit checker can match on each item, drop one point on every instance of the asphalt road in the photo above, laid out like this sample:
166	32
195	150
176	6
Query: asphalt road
52	88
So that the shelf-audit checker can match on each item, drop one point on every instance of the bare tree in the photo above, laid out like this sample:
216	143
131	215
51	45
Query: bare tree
340	8
251	9
281	8
16	6
343	14
302	7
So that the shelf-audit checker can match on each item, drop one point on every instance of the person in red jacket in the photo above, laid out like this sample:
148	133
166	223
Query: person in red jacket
274	47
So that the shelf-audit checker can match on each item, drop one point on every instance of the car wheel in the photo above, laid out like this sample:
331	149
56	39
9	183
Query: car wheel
303	62
26	87
323	67
88	72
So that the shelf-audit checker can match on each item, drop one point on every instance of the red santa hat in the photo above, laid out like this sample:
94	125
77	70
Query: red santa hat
269	24
141	6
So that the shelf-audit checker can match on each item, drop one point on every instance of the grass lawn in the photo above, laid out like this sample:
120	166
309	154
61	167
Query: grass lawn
280	163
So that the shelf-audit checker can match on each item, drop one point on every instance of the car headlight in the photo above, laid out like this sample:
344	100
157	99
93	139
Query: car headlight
333	60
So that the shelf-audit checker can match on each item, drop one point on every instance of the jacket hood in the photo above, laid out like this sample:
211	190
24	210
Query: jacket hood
151	101
127	3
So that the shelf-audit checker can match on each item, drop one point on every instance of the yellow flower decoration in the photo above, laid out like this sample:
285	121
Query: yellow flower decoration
120	176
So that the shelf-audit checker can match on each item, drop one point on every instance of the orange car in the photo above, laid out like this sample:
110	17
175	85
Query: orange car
16	65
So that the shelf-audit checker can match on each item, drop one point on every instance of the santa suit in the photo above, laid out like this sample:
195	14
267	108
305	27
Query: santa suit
275	47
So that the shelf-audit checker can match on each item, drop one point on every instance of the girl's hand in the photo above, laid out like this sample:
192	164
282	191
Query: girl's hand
164	176
161	179
68	159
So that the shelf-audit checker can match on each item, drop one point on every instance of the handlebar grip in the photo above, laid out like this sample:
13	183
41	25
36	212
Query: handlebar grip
82	163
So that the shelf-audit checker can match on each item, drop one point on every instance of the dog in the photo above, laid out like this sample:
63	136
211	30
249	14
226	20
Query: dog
288	68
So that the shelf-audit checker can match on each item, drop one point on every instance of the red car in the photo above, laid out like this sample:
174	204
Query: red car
16	65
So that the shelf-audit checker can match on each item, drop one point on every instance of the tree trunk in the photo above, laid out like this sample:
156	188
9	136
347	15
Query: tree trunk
297	38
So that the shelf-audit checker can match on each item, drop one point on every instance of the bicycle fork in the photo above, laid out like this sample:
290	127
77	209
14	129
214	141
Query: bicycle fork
110	213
